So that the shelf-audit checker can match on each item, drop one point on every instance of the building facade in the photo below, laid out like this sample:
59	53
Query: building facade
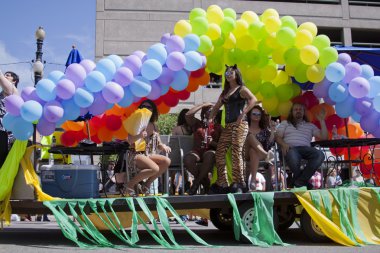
123	27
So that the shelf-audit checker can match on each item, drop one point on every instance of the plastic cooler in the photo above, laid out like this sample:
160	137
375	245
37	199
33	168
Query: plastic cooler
70	181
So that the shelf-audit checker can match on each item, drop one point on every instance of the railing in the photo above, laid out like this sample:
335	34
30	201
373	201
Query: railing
304	1
364	2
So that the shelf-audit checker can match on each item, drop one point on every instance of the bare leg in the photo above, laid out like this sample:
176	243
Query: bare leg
163	164
207	165
190	161
147	168
256	153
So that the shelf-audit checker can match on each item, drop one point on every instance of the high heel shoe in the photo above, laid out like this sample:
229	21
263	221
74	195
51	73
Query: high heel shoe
128	192
145	189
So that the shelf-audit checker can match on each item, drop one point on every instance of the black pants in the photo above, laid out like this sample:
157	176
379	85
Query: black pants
3	147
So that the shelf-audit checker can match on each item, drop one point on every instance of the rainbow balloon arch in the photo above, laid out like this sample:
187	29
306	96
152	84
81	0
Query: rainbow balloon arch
281	62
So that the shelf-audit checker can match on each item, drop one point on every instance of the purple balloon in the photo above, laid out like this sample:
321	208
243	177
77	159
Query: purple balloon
53	111
353	69
13	104
363	106
83	111
176	61
134	63
123	76
45	127
88	65
139	54
328	100
344	58
370	122
167	76
359	87
112	92
99	105
76	73
155	91
321	89
165	38
29	93
175	43
65	89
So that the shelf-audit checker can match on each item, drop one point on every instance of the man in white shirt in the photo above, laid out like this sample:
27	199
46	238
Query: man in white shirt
294	136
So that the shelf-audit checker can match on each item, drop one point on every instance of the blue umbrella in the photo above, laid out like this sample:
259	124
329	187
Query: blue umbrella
74	57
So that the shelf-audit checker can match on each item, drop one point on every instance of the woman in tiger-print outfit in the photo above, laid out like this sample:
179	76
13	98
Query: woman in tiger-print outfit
237	100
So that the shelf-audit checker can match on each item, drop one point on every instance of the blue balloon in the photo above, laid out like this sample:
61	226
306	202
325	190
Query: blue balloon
95	81
158	52
367	71
181	80
192	42
193	61
31	111
374	86
71	110
335	72
83	98
22	130
117	60
9	121
165	89
356	116
338	92
45	89
107	68
140	87
56	75
127	100
345	108
151	69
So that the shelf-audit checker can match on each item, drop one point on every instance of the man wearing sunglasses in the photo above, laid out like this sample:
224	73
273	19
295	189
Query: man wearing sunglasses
8	83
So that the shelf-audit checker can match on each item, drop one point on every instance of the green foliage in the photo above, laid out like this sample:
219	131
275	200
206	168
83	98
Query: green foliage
166	122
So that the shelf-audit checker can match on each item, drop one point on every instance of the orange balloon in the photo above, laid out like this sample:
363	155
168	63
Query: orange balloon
121	134
116	110
204	79
130	109
163	108
193	87
104	134
74	126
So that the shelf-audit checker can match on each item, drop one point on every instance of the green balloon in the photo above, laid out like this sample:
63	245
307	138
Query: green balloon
327	56
284	92
264	60
321	42
296	89
227	25
263	48
286	37
229	12
251	57
253	86
199	25
289	21
219	41
300	73
197	12
205	44
292	56
234	56
268	90
257	30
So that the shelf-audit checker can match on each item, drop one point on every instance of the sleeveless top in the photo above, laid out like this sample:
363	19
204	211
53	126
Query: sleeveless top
3	111
234	106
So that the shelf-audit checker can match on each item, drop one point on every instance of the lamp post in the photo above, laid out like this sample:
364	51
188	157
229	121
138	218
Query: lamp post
38	68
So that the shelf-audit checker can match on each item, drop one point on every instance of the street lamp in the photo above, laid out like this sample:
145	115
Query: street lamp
38	66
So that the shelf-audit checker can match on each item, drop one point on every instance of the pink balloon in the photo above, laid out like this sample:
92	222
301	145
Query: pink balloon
165	38
88	65
175	43
112	92
176	61
53	111
344	58
133	62
155	91
76	73
65	88
359	87
353	70
167	76
45	127
13	104
139	54
123	76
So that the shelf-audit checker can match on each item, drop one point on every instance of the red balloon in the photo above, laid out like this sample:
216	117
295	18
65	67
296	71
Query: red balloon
310	99
96	139
183	95
299	100
198	73
113	122
334	120
68	138
171	100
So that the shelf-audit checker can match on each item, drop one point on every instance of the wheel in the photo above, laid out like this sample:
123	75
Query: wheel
246	211
221	220
286	216
311	229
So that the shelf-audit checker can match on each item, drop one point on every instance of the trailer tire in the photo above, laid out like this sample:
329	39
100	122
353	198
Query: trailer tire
311	229
286	216
221	221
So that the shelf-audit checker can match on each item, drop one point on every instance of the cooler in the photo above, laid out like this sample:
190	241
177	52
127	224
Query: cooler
70	181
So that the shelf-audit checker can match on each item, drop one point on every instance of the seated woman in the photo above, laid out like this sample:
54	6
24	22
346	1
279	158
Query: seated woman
259	140
150	165
206	137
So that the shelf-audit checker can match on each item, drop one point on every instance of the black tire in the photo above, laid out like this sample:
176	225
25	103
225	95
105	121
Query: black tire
286	216
311	229
222	221
246	213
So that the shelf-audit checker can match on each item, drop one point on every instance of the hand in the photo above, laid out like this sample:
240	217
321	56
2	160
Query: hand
272	125
321	115
240	118
285	148
143	134
165	148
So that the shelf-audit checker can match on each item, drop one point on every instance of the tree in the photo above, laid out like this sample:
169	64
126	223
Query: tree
166	122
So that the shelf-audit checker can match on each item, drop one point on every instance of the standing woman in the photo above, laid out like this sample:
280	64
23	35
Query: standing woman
149	163
260	139
237	100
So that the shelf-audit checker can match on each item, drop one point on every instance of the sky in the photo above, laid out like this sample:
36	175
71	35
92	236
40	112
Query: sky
66	23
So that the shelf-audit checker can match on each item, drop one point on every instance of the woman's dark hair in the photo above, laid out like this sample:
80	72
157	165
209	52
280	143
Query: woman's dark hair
291	118
154	110
239	79
204	110
15	77
181	120
264	119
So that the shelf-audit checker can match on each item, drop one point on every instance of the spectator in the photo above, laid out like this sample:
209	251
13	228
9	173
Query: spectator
150	165
259	182
206	136
316	180
280	177
331	181
260	139
237	100
294	136
8	83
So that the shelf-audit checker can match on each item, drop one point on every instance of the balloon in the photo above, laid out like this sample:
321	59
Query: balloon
197	12
205	44
183	95
76	73
9	121
214	14
335	72
344	58
286	37
53	111
155	91
113	122
257	30
99	105
140	54
353	70
359	87
193	61
182	28
374	86
117	60
227	25
192	42
123	76
241	28
45	89
199	25
249	17
321	42
112	92
269	13
321	89
367	71
151	69
55	76
272	24
88	65
140	87
68	139
268	90
166	77
175	43
345	108
163	40
315	73
229	12
83	98
311	27
176	61
29	93
214	31
127	100
134	63
310	100
107	68
363	106
31	111
74	126
158	52
180	82
309	55
71	110
370	122
328	55
22	130
13	104
65	89
284	93
303	38
338	92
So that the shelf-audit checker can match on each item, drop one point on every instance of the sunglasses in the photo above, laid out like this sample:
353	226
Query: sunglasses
229	73
146	106
256	114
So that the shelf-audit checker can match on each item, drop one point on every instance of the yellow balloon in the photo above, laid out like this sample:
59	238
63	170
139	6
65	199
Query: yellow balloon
278	55
309	55
241	28
283	108
271	41
182	28
269	72
259	96
296	90
281	78
290	69
214	32
303	38
315	73
249	17
253	86
246	43
310	26
272	24
230	41
214	14
270	104
269	13
252	73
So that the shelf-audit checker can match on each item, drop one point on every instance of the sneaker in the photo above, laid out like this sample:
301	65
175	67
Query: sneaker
202	222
